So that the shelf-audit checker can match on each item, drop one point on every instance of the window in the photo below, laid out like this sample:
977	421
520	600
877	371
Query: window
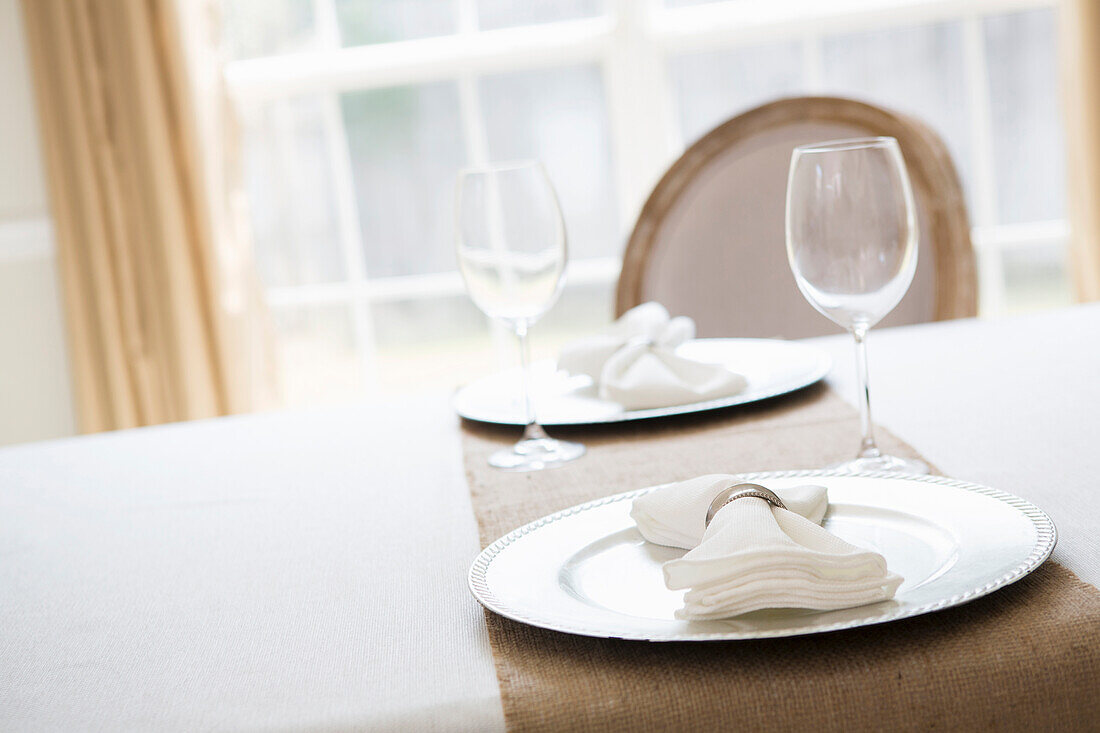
358	113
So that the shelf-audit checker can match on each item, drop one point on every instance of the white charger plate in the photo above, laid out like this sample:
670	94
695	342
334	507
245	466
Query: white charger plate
587	570
772	367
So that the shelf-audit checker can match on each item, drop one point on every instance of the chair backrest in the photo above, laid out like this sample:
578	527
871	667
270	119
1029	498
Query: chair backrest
709	242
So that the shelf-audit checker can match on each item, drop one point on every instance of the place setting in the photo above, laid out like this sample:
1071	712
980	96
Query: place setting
515	366
647	364
815	546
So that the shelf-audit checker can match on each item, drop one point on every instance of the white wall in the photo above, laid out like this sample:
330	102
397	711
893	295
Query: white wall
35	390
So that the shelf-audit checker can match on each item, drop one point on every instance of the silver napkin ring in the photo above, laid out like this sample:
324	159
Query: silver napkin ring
740	491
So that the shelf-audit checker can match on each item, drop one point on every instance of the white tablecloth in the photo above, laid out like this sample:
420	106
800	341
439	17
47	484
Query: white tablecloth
306	570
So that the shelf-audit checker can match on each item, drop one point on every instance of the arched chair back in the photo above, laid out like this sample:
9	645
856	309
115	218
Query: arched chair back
709	242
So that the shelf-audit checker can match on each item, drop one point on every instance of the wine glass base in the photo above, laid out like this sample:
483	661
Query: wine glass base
536	454
884	463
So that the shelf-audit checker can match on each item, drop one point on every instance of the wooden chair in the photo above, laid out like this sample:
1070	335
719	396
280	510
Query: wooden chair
709	242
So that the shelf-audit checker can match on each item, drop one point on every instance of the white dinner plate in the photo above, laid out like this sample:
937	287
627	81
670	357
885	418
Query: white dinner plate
587	570
772	367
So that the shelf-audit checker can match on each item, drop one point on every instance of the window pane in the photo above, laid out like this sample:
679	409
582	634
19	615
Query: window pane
1028	141
916	70
317	354
714	86
291	194
267	27
502	13
406	148
378	21
560	117
445	342
583	309
427	343
1035	279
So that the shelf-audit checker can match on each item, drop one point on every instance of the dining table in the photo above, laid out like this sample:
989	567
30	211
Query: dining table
306	569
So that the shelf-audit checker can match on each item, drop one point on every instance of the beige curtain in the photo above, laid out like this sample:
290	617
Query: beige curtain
1080	47
163	317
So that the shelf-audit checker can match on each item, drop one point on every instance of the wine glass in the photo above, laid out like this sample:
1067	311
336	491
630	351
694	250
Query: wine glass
512	253
852	246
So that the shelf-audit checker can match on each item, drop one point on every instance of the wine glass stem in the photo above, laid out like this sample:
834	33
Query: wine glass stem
867	448
532	430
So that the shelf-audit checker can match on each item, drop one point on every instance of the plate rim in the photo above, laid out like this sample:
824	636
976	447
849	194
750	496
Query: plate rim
1044	545
825	365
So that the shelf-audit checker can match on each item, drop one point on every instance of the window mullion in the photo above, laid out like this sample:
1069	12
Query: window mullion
476	138
347	209
981	122
643	132
419	60
813	64
983	164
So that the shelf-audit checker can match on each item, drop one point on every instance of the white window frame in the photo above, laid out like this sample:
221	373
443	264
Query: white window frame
631	44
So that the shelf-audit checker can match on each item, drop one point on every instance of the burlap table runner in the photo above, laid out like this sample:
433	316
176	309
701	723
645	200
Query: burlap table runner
1025	657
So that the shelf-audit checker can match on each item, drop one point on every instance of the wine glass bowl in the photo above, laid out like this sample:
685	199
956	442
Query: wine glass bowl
511	241
512	287
852	246
852	231
512	250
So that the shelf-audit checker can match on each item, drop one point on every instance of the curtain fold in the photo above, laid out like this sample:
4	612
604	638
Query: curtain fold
1080	48
164	318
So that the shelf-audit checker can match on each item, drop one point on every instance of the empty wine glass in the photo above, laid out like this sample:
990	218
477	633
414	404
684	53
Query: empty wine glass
512	253
852	246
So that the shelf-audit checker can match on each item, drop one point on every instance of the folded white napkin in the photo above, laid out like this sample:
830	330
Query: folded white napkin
754	555
634	363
